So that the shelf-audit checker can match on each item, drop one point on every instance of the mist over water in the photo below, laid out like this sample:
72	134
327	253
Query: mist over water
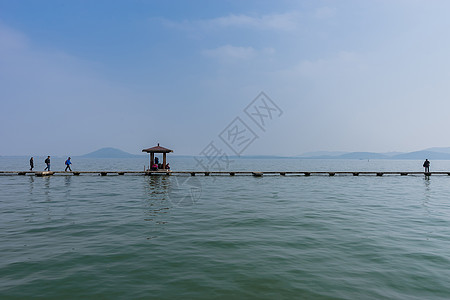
179	163
218	237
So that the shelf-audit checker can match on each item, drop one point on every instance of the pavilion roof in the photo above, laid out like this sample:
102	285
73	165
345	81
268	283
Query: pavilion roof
157	149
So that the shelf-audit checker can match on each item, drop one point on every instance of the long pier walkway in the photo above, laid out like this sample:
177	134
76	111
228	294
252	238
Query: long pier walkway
217	173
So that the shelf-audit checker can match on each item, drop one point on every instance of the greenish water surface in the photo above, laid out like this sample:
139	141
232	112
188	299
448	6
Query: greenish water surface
241	237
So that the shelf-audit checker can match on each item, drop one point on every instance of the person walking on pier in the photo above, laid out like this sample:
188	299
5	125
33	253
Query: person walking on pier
68	163
426	165
47	162
31	164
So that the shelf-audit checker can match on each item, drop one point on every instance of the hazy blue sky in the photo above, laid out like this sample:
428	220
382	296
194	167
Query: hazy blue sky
76	76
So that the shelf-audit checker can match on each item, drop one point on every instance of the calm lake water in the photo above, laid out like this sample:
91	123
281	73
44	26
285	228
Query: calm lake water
222	237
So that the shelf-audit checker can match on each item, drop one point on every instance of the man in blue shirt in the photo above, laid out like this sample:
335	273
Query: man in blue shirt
68	163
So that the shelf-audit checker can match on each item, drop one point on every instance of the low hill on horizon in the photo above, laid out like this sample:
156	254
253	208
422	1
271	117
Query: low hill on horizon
363	155
439	149
430	153
322	153
110	152
423	155
437	153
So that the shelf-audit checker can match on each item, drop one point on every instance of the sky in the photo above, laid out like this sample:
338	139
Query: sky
76	76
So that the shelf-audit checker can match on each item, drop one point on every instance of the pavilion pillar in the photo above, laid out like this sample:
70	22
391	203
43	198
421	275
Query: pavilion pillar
152	159
164	161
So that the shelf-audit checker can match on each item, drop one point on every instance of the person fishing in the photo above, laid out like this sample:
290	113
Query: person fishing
426	165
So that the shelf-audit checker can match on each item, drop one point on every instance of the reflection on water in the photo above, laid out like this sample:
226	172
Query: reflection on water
177	190
157	203
47	187
157	186
67	180
48	198
427	182
427	205
427	191
31	185
163	193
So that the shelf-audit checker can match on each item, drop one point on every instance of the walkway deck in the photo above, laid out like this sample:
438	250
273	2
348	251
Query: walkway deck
222	173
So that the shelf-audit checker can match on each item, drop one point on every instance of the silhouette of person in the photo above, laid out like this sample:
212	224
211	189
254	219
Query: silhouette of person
426	165
47	162
31	164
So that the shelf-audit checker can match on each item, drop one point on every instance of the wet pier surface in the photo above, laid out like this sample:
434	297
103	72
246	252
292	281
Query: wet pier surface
217	173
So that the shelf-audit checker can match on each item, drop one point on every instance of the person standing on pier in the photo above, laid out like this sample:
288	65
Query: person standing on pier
426	165
47	162
68	163
31	164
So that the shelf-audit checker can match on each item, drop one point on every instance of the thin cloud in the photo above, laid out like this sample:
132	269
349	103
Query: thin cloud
325	12
228	52
285	22
233	53
11	39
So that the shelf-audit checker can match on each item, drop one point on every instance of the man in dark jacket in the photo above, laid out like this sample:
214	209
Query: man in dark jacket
426	165
47	162
31	164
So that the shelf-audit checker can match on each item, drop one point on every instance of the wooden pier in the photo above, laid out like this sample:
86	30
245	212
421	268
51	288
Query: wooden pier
218	173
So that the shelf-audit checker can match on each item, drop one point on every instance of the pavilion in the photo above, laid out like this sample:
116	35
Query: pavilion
157	149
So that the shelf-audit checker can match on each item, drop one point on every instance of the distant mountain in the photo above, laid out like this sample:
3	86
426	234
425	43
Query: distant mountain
436	153
322	153
257	157
362	155
390	154
352	155
422	155
439	149
430	153
110	153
